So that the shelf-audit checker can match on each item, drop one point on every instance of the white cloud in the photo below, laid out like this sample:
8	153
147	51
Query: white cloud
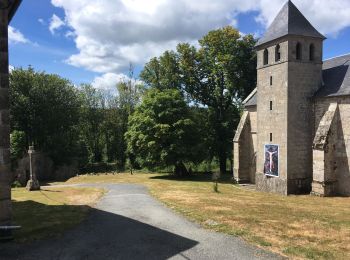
111	34
15	36
108	81
42	21
55	23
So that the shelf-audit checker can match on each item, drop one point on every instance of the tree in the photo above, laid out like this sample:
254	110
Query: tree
161	132
219	75
163	72
92	118
129	96
45	108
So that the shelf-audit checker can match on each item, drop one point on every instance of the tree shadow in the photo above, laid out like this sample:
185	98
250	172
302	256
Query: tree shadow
102	235
195	177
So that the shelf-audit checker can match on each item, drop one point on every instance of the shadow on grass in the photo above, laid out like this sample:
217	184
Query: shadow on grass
196	177
102	235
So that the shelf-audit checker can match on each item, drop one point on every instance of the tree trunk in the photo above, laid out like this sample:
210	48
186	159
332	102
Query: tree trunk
180	169
222	160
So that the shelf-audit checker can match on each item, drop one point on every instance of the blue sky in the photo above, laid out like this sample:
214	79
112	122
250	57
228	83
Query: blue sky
105	36
45	51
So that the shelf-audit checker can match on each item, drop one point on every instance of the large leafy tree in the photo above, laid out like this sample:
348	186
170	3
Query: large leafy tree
219	74
129	95
161	131
163	72
46	109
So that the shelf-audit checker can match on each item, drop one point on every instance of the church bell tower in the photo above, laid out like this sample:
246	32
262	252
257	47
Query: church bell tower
289	72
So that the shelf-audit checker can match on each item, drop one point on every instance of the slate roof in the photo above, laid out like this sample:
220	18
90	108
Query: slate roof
336	80
289	21
13	8
252	101
336	77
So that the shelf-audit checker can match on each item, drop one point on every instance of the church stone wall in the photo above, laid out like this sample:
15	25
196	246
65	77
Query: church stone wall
272	121
5	192
341	143
304	81
290	121
244	150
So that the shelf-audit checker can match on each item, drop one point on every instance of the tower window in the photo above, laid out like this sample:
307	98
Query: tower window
270	137
270	105
266	57
277	53
298	51
270	80
312	52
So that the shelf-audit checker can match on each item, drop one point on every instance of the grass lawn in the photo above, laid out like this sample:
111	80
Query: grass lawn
295	226
50	211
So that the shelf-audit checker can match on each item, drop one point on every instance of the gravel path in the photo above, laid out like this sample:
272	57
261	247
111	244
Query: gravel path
130	224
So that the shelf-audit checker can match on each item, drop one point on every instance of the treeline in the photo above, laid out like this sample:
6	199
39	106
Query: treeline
183	113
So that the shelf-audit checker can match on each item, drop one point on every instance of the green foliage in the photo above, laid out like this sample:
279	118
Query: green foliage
218	76
46	108
163	72
104	121
18	144
187	116
92	115
161	131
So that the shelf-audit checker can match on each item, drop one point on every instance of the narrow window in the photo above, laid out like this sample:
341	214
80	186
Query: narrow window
270	80
270	137
312	52
278	53
270	105
298	51
266	57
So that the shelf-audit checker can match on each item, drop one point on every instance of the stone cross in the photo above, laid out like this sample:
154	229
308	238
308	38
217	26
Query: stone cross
33	183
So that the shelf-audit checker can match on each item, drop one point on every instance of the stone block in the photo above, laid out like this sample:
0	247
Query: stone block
4	136
5	212
271	184
4	44
5	191
5	117
4	62
4	99
5	158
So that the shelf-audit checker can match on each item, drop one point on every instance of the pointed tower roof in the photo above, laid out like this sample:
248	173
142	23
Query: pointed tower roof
289	21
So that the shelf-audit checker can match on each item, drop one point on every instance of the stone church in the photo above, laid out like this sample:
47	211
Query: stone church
294	134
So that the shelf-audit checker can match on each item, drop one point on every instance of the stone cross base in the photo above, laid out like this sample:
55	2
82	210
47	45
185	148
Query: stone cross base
33	185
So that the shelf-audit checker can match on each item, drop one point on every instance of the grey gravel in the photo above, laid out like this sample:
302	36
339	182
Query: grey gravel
130	224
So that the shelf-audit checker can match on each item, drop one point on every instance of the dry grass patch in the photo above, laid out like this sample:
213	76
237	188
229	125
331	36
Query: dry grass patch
296	226
50	211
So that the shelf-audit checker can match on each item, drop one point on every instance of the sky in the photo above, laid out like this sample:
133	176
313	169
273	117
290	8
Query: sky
95	41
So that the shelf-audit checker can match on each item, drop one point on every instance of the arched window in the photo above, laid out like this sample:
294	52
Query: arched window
298	51
278	53
266	57
312	52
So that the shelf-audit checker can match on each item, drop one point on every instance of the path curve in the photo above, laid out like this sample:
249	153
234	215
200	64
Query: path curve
128	223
